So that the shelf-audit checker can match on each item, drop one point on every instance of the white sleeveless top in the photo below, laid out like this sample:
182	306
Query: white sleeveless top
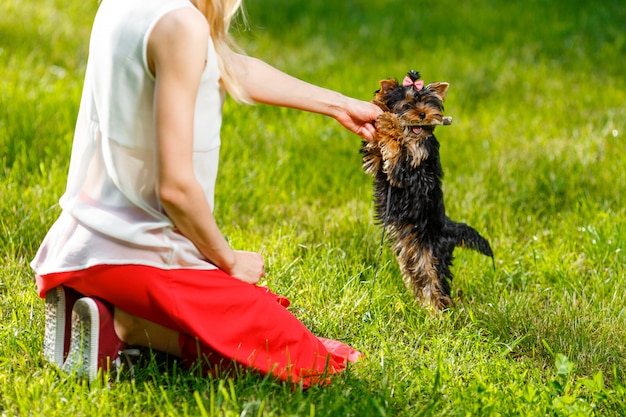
111	211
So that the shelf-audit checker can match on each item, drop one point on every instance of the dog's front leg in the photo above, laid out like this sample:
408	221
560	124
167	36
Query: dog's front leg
372	150
390	134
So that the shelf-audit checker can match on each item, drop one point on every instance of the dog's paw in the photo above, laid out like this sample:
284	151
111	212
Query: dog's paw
388	125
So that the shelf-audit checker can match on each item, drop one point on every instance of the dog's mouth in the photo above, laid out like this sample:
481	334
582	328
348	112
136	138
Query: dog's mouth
418	126
414	127
417	130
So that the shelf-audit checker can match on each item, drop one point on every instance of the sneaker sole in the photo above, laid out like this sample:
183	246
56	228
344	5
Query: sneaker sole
54	330
82	359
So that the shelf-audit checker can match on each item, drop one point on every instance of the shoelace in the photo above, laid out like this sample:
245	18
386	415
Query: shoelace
126	354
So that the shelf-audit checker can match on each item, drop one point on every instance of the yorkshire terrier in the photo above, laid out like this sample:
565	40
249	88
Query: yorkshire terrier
404	161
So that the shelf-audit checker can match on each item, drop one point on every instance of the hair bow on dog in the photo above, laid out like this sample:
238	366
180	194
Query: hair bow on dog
419	84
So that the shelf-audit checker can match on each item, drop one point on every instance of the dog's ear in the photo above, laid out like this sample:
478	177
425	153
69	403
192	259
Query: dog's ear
439	89
386	86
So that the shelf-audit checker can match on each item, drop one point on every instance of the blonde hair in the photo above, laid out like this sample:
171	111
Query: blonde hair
219	14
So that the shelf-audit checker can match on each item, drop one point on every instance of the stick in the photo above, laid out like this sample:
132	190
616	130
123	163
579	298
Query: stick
447	120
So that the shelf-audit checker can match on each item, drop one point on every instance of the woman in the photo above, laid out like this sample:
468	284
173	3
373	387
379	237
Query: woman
137	229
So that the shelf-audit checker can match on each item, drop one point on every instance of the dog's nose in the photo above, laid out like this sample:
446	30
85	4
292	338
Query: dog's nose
421	115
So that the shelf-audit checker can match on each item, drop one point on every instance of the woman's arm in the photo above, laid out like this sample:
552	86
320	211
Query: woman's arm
177	53
265	84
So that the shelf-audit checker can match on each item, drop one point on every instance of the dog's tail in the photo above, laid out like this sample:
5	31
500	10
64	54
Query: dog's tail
467	237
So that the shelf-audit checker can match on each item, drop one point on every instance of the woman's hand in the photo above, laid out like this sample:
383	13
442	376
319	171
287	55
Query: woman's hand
357	116
248	267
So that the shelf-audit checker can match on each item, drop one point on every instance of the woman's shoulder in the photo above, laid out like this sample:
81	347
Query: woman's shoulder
186	20
181	26
178	41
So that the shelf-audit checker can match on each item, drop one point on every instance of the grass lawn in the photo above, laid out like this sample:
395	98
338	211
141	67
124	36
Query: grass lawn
534	160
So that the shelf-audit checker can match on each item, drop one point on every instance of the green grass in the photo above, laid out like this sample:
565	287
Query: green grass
534	160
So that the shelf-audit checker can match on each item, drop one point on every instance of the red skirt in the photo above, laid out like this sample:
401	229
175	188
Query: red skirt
242	322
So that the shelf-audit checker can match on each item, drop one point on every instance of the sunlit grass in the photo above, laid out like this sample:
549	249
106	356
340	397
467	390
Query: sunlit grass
534	160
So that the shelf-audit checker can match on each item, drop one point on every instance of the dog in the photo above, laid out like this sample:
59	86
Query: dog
404	161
